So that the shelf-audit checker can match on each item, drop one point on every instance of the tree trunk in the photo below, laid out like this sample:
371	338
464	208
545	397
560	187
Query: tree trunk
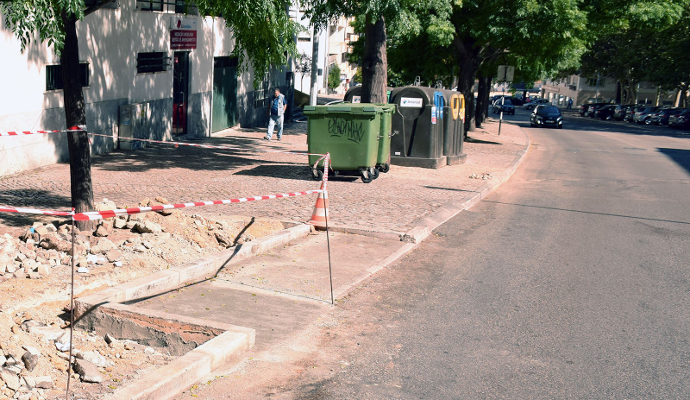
483	92
618	92
375	63
75	115
468	61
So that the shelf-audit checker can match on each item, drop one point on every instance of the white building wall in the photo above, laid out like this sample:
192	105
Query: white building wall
307	47
109	40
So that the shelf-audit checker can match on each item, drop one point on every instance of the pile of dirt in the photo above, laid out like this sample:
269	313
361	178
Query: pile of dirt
35	269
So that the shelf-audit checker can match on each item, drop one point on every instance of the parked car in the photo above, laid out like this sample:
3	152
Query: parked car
534	103
594	107
546	115
508	107
619	112
680	120
631	113
605	112
643	115
660	117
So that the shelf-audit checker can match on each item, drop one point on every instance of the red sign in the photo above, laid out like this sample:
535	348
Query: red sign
182	40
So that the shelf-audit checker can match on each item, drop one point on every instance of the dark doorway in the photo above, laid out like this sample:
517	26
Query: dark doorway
180	92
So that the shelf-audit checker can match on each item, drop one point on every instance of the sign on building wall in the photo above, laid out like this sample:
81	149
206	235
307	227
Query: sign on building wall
183	33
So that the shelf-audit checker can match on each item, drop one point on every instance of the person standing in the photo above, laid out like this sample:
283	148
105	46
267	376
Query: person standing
570	104
276	112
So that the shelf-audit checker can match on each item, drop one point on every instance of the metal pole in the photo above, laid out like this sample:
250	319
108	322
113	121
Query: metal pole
314	68
328	244
71	311
503	100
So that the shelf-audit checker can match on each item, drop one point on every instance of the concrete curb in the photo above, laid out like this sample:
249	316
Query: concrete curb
173	278
229	341
423	227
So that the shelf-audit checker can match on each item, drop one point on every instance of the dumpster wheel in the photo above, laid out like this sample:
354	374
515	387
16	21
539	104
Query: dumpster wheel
384	167
366	176
317	174
374	172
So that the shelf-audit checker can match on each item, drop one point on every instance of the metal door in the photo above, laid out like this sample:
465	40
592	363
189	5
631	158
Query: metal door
224	93
180	92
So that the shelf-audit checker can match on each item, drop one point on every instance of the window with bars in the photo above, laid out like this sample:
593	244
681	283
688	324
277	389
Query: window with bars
154	61
261	95
54	76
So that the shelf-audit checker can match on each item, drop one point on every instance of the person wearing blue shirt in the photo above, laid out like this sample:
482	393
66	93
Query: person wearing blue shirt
275	112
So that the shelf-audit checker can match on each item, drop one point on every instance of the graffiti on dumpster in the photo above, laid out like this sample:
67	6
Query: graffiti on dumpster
351	130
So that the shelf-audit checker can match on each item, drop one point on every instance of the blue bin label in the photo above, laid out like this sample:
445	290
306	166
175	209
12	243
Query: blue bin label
433	114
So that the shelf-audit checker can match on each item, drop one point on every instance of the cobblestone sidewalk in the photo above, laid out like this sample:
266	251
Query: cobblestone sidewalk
184	174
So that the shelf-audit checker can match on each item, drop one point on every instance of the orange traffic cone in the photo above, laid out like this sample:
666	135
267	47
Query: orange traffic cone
318	217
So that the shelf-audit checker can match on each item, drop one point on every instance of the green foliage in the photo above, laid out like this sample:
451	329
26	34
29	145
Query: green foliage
262	30
333	76
28	17
646	41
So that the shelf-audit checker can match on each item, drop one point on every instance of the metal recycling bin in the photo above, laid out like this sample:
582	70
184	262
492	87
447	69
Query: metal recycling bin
418	127
454	127
354	94
350	133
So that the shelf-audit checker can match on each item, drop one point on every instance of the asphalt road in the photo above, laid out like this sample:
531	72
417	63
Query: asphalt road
570	281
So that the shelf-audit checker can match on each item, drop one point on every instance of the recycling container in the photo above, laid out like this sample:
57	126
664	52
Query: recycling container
350	132
454	127
418	127
354	94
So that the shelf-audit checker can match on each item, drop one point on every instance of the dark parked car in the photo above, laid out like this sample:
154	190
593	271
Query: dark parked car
619	112
545	115
594	107
605	112
508	106
680	120
643	115
660	117
534	103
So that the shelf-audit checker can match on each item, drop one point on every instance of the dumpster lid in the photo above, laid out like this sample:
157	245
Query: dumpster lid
345	108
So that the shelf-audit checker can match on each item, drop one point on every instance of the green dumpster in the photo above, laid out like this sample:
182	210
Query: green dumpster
383	161
350	133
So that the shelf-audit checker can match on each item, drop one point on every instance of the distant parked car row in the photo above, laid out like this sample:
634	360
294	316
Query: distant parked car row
505	105
671	116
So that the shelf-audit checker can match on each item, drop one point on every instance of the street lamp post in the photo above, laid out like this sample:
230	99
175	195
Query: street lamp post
505	75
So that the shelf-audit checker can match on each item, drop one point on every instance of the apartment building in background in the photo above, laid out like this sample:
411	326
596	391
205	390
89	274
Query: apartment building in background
583	90
334	48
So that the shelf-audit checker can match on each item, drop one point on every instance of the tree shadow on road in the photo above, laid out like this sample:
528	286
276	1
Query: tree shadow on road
679	156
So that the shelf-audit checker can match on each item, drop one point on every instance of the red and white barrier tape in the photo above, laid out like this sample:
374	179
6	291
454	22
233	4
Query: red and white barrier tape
35	211
205	146
95	215
20	133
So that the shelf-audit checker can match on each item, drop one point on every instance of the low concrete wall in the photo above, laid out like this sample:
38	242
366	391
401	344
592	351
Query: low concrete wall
22	153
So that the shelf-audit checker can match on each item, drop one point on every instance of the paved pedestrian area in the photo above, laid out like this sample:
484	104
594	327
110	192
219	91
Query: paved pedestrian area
185	174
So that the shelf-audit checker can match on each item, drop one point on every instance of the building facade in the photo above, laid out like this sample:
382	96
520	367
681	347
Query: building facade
582	90
341	37
173	64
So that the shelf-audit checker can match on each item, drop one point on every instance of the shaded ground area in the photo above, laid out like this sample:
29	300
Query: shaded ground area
184	174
